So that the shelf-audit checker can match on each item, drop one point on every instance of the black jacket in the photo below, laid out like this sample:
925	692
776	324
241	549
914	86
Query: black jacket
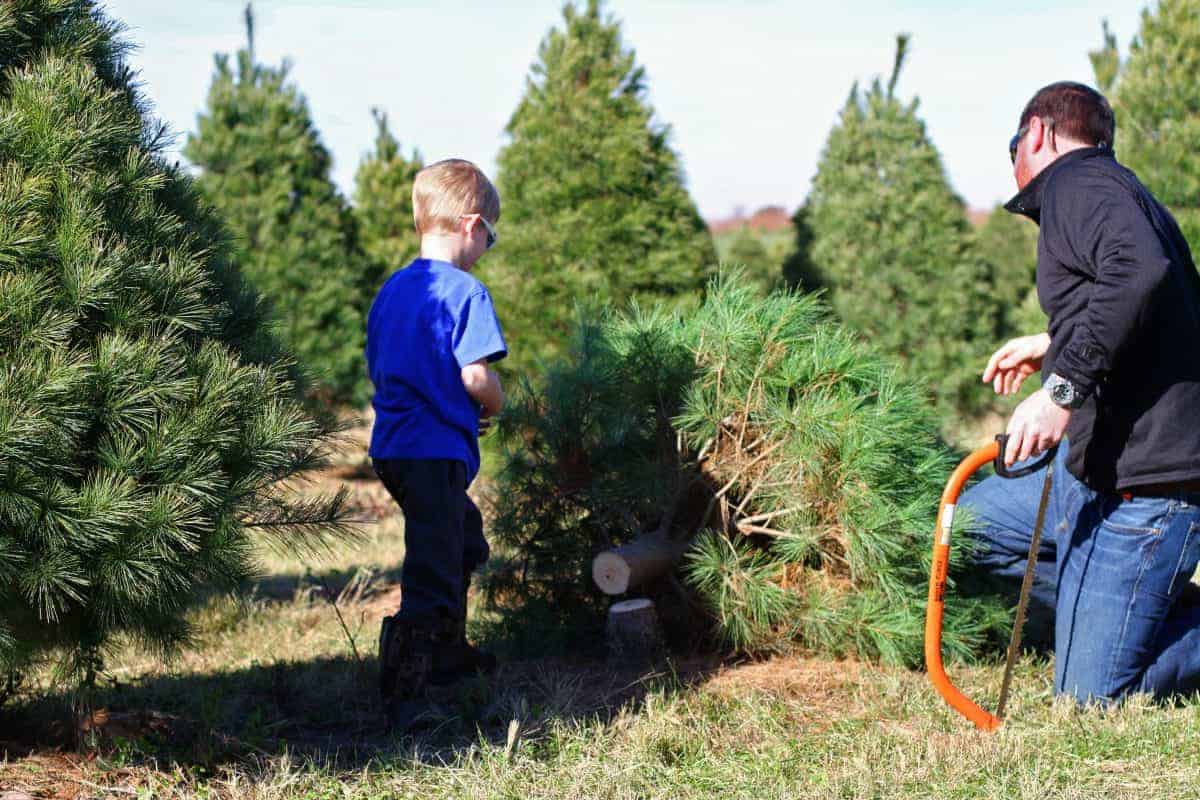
1117	280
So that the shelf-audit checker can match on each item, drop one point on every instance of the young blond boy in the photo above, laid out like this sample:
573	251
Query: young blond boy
431	333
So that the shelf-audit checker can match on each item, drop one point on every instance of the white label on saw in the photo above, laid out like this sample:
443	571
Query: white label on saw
947	522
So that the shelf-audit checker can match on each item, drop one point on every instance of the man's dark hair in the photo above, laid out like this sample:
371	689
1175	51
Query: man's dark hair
1078	111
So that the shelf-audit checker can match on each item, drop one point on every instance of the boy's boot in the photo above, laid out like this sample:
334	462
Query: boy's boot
407	652
460	659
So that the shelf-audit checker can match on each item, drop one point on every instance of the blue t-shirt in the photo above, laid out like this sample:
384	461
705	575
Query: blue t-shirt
429	321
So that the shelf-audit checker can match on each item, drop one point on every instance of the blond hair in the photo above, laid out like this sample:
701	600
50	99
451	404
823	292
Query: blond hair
445	191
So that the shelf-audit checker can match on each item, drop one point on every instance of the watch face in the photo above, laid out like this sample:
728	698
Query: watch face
1061	393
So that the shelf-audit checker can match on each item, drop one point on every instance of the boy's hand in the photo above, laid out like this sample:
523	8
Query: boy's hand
483	385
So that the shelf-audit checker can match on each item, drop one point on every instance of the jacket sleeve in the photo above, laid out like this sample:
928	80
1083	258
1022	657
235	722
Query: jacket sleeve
1107	230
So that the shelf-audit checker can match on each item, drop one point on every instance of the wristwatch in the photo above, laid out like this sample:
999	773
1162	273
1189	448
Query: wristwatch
1062	392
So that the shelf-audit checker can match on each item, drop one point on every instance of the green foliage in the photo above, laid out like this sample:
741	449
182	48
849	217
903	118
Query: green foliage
1157	104
891	241
758	256
594	200
587	454
262	165
799	271
804	471
146	413
1106	61
1008	243
383	205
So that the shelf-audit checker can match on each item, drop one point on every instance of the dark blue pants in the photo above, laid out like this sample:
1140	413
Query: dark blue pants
1111	579
443	533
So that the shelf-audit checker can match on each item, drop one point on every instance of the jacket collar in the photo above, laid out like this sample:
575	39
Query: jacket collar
1028	201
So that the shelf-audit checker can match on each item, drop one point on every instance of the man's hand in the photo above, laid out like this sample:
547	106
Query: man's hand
1036	426
1019	358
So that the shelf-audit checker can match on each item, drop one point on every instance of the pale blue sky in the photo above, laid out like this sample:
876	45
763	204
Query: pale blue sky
750	89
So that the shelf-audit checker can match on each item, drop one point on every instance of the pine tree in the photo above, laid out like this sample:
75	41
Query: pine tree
262	165
892	242
1008	243
744	250
595	207
1156	99
383	188
146	414
800	472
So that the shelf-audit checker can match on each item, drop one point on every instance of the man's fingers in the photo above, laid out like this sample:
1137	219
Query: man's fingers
989	372
1029	445
1014	443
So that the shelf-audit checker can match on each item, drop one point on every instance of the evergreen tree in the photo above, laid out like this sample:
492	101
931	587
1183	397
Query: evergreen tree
1008	243
1156	99
892	242
744	250
146	414
799	271
797	470
263	166
595	207
383	188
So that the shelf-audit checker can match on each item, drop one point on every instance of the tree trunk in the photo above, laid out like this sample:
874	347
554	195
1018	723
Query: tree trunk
632	565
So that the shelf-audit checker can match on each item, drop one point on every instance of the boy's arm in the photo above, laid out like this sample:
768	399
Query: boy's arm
484	387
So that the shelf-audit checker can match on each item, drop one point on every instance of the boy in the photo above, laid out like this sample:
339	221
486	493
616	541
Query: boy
431	333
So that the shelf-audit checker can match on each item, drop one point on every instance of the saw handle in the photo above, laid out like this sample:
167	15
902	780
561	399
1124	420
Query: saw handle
1004	472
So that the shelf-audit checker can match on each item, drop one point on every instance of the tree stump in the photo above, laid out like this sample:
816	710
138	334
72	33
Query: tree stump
635	637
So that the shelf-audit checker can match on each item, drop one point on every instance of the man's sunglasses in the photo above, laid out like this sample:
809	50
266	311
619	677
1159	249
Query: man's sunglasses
1016	139
492	236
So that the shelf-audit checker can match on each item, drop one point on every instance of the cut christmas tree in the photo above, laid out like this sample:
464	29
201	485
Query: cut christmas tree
147	416
788	462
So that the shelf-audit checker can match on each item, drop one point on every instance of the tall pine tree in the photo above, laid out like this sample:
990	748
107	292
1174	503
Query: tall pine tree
1156	98
595	206
383	202
892	242
263	166
146	415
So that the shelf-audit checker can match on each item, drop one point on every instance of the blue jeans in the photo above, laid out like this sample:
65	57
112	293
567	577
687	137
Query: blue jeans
1111	579
443	534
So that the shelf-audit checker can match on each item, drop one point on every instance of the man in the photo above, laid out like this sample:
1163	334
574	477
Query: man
1121	399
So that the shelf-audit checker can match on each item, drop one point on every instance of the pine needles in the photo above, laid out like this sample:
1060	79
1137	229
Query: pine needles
802	469
146	411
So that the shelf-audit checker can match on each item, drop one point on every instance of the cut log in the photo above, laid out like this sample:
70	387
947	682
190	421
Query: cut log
635	637
632	565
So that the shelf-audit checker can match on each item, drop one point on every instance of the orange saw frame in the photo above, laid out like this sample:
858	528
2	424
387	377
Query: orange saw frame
990	454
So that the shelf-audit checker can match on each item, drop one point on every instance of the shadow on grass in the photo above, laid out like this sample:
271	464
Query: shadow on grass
325	710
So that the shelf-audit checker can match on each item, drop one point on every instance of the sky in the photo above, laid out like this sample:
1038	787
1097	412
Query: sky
749	89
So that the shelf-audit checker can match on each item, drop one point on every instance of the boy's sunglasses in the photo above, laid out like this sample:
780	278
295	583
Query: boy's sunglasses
492	236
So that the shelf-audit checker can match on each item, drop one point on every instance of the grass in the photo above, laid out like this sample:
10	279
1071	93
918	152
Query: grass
275	702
